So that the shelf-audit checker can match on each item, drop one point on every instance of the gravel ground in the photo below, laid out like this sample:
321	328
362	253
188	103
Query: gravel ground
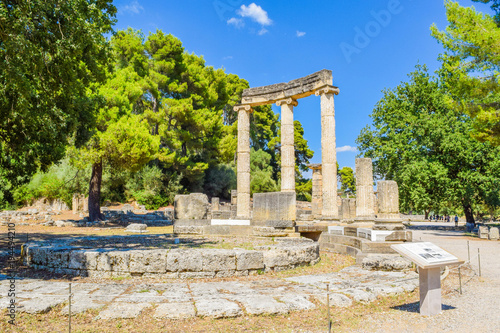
476	310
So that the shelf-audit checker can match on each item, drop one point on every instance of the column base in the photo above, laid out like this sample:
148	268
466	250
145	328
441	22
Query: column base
388	224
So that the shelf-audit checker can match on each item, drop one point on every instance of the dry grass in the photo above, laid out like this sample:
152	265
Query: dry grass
343	320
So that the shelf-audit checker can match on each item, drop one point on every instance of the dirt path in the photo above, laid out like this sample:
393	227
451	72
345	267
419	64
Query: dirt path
477	309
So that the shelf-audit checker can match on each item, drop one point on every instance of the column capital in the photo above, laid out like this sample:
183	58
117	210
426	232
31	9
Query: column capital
316	166
242	107
328	89
287	101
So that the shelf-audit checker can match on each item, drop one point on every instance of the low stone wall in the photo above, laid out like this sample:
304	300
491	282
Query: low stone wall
61	257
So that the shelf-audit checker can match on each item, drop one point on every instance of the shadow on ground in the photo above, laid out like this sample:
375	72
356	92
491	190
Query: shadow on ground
414	307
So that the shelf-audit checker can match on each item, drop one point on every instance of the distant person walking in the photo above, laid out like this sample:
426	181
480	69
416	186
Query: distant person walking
456	220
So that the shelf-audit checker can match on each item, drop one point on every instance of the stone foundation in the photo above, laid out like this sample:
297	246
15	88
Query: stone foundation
63	257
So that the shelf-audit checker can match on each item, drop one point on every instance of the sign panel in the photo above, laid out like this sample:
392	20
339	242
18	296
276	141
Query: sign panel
426	254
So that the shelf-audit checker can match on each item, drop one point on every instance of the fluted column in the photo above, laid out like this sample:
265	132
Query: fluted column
287	145
328	152
243	163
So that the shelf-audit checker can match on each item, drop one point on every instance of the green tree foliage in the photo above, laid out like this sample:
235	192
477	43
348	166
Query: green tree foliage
470	66
151	187
60	181
347	180
165	104
52	55
261	172
495	5
303	188
302	151
220	180
422	142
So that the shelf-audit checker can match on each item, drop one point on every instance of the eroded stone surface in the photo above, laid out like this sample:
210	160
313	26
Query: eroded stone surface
217	308
123	310
175	311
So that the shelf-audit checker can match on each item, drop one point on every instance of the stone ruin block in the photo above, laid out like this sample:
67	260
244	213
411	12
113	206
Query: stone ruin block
388	200
494	233
388	217
80	203
215	204
234	197
483	232
348	209
274	206
192	206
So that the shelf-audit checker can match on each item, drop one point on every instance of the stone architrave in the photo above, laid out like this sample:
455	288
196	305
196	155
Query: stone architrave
317	194
287	145
388	217
364	190
243	165
328	152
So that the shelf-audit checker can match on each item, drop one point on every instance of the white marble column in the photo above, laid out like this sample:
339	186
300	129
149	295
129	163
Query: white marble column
287	145
243	163
328	152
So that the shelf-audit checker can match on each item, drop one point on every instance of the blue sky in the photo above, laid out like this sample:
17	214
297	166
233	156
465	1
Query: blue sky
369	45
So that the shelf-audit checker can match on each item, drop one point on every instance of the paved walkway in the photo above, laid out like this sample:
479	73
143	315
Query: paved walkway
212	299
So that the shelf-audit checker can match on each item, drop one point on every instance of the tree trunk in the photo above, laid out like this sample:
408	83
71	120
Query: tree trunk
95	193
426	214
469	216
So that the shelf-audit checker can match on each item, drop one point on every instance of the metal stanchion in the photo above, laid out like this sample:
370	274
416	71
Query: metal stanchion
479	260
328	307
468	249
460	279
69	309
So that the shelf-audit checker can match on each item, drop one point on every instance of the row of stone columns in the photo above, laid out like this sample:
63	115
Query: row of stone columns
329	208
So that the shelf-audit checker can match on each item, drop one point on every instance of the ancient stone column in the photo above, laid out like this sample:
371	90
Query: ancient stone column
317	194
388	217
243	164
287	145
365	210
328	152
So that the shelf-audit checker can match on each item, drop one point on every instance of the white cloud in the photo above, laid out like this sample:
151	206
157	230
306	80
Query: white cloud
262	31
256	13
133	8
346	148
227	58
300	33
238	23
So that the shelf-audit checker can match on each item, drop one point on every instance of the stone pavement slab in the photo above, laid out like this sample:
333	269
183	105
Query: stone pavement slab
217	308
122	310
41	304
82	303
175	310
260	304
